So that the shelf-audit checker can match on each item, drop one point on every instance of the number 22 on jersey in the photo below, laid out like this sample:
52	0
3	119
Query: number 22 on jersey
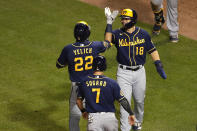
80	62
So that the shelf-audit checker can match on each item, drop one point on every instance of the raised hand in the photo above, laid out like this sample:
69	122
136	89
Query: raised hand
110	16
114	14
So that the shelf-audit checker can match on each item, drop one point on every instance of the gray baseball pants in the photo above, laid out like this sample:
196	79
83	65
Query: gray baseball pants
132	83
74	112
102	121
172	15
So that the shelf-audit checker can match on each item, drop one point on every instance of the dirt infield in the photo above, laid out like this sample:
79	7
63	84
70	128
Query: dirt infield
187	12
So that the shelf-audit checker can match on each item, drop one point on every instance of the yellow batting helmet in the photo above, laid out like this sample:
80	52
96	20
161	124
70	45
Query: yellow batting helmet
129	14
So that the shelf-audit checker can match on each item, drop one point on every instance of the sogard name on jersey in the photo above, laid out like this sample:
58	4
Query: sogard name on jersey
83	51
96	83
123	42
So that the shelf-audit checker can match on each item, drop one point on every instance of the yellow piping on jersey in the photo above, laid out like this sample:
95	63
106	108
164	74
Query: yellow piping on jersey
60	64
82	46
113	37
151	49
129	49
134	46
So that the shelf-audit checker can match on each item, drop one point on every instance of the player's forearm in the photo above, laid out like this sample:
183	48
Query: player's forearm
155	55
108	32
158	64
108	36
125	104
107	44
80	103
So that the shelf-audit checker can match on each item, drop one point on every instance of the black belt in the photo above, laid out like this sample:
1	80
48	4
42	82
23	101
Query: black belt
128	68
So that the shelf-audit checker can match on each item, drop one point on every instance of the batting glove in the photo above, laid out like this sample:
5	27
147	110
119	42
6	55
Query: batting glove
110	16
160	69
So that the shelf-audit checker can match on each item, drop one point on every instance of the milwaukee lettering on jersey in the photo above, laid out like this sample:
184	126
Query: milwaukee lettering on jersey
132	47
123	42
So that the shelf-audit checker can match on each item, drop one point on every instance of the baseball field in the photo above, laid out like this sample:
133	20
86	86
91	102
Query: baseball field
34	95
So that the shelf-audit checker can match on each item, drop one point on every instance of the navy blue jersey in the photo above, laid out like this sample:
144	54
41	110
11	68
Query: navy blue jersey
99	92
132	47
79	58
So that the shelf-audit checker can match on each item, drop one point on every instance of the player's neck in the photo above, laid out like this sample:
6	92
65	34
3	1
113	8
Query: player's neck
131	30
98	73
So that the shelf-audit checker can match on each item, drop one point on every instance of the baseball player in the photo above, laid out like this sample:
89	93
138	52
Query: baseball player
132	44
79	57
99	93
172	18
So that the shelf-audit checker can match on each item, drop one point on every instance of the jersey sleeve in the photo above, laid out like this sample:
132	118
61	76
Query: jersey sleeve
62	60
149	45
80	91
99	45
113	41
117	92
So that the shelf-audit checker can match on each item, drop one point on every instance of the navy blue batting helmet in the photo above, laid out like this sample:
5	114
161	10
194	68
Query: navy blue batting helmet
81	31
99	63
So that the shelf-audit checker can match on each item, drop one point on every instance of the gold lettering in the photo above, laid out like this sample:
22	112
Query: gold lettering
137	40
80	50
101	83
97	83
131	43
104	83
75	52
87	83
78	53
123	42
120	42
90	82
93	83
90	50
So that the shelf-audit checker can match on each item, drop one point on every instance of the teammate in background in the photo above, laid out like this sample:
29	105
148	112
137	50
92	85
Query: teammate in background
132	44
99	93
79	57
172	18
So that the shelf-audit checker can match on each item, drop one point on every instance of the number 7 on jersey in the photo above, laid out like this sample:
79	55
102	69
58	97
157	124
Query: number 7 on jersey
97	90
